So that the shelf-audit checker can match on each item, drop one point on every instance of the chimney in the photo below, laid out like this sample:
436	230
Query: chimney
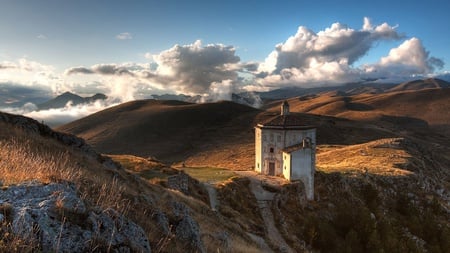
285	108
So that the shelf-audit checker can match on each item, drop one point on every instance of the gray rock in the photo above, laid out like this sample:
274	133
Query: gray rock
54	218
162	222
188	230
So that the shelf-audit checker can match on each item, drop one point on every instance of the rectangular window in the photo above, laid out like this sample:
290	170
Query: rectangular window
271	150
279	138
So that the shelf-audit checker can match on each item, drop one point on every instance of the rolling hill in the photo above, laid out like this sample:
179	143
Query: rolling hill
168	130
213	134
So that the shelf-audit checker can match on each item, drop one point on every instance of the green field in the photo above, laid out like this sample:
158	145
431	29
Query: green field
209	174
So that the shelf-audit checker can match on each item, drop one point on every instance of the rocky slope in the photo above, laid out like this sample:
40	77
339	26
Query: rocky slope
57	185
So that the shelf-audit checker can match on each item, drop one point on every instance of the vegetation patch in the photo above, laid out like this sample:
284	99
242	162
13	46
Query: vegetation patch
209	174
147	168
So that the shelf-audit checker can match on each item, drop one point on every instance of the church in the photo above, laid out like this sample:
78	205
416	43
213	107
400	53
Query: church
286	147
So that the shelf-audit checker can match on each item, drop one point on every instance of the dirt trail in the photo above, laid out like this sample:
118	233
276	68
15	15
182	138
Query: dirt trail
264	199
212	192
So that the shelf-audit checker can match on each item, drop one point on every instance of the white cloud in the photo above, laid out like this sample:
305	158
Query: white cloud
189	69
409	59
124	36
309	58
219	91
30	73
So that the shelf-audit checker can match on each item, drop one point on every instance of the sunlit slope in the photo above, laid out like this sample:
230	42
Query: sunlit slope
431	106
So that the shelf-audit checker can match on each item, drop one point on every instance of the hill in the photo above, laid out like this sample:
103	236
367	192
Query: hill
212	134
62	100
430	83
58	194
424	109
168	130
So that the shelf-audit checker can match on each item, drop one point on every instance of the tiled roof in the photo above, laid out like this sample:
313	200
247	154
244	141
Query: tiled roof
293	148
290	121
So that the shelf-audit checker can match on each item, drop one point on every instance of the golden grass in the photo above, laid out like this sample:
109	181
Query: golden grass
380	157
25	157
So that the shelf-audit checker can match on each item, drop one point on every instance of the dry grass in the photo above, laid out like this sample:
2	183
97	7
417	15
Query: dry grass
154	171
19	163
25	157
381	157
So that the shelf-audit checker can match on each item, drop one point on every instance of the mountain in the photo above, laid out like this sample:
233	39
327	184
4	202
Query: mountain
430	83
246	98
355	88
62	100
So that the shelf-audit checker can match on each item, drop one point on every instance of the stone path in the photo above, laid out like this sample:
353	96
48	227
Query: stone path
264	199
212	192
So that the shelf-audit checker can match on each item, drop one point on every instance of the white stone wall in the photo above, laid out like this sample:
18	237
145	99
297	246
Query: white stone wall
275	140
302	168
302	162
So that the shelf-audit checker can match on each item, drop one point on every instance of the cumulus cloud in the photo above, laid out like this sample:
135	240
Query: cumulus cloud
309	57
194	68
30	73
189	69
409	59
219	91
412	55
124	36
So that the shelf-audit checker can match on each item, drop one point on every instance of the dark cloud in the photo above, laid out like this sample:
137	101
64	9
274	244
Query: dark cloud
102	69
79	70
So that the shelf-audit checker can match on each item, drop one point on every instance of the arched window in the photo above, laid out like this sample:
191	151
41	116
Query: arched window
271	150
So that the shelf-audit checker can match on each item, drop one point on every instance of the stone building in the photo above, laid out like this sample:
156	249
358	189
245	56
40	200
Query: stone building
286	147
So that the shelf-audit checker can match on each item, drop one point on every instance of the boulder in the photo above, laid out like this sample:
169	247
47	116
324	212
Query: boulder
55	219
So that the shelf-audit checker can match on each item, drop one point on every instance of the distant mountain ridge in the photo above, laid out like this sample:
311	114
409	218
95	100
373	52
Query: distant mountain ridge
62	100
355	88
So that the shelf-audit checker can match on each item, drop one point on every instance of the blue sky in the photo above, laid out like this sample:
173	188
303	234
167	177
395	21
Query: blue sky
128	48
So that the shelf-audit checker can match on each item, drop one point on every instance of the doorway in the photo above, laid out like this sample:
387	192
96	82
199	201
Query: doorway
271	169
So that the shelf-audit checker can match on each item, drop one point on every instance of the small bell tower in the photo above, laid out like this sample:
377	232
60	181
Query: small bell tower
285	108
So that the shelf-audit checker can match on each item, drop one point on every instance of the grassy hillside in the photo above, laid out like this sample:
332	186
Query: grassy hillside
31	151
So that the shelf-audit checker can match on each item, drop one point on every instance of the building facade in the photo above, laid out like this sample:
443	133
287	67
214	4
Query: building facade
286	147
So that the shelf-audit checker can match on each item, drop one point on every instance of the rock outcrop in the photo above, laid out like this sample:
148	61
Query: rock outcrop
55	219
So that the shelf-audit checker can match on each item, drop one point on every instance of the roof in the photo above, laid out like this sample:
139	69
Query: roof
293	148
290	121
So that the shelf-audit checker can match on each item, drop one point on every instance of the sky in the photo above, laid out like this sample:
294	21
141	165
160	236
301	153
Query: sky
132	49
